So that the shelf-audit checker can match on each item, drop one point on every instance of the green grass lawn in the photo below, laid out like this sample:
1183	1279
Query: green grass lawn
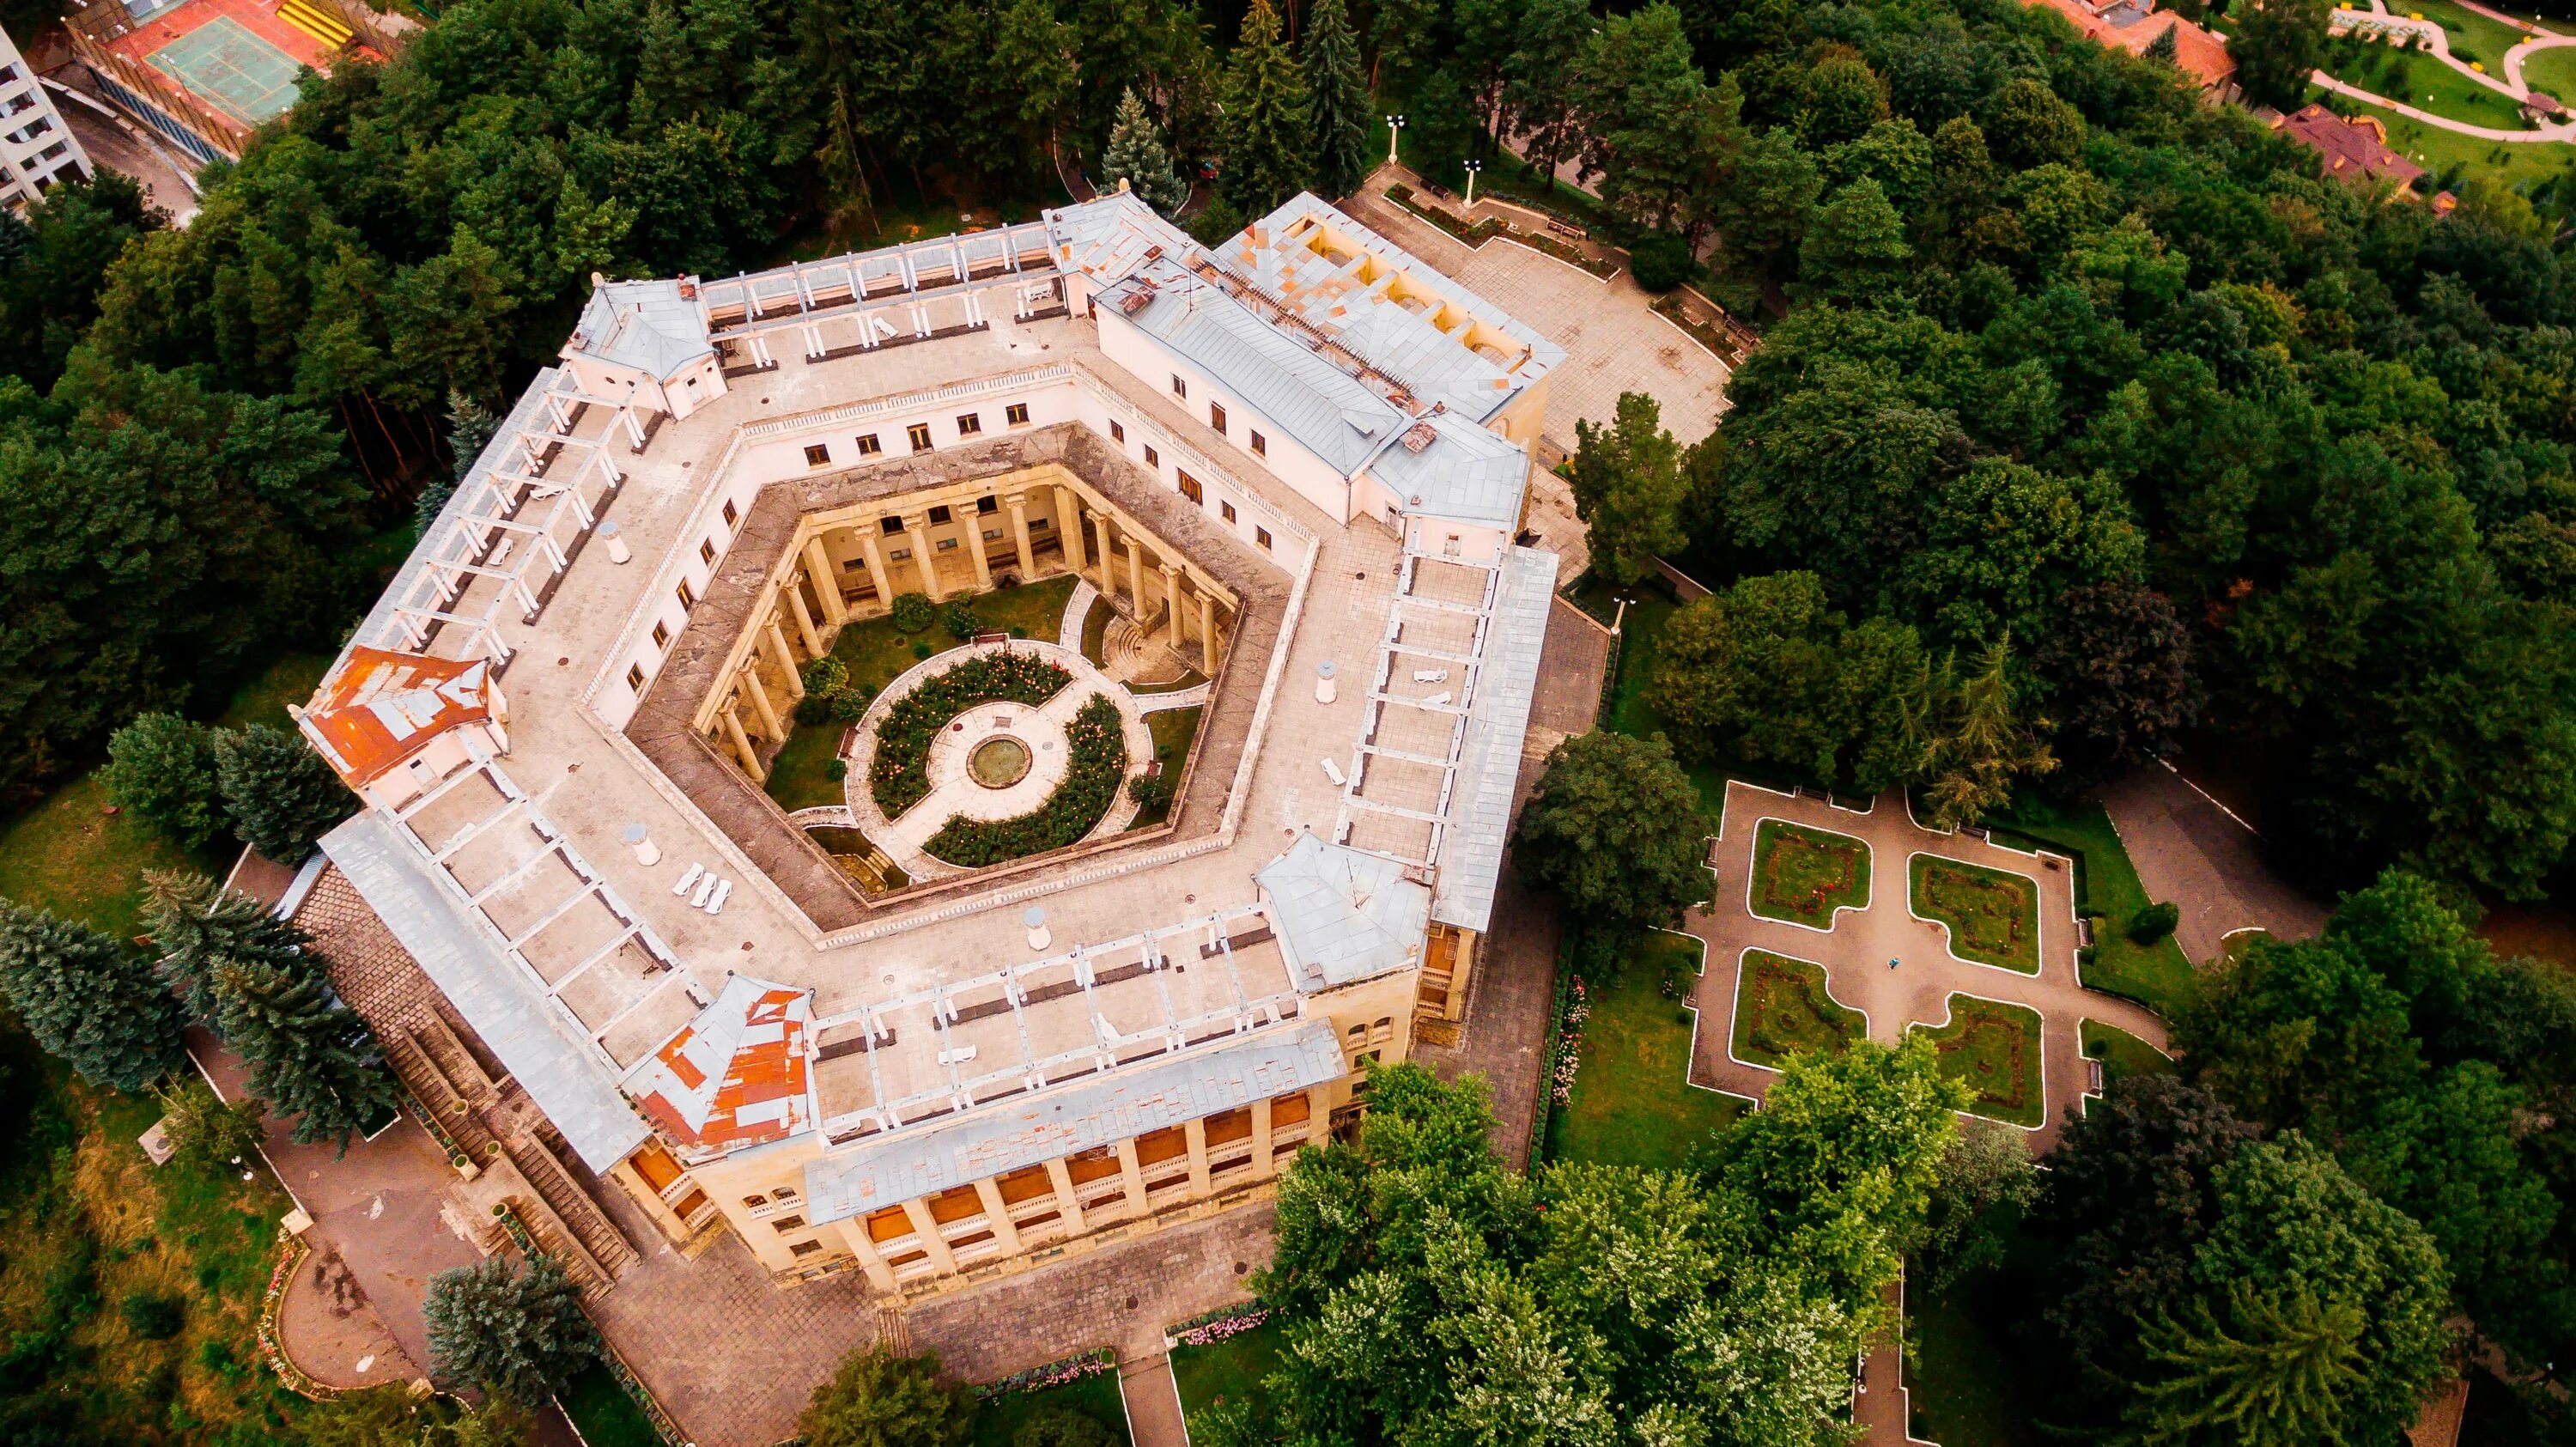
1227	1371
1095	1396
1804	875
2472	35
1992	914
1963	1375
2552	70
1174	730
1633	1103
2121	1053
1095	632
2437	150
2106	886
604	1414
2425	83
1782	1009
1994	1047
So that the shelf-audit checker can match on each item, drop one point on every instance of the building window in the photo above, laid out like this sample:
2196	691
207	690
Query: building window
1260	444
817	455
1179	387
1225	509
635	678
1190	489
785	1224
1261	536
869	446
969	423
938	515
897	555
919	433
1039	525
1117	430
990	534
661	635
947	545
988	504
804	1248
1017	414
1216	416
732	514
1150	459
707	551
891	527
688	596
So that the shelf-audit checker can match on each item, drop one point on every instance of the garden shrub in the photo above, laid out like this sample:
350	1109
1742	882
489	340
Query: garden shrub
2153	922
814	708
913	612
898	777
825	675
153	1315
837	770
921	650
1062	1426
1660	261
960	621
851	704
1152	792
1096	745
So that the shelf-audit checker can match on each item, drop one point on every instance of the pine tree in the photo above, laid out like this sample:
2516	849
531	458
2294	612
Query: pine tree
162	767
197	925
1266	134
1330	54
281	796
517	1334
2165	46
310	1057
88	1000
1136	156
1983	747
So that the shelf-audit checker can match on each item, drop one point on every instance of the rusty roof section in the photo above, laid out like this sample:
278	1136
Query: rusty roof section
735	1076
379	708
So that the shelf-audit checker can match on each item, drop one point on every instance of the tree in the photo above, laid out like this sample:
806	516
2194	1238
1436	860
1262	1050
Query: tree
1764	212
1628	489
1661	138
879	1399
2032	126
310	1056
1980	746
1267	134
162	767
2278	44
1855	251
281	796
88	1000
1330	56
50	274
517	1334
205	1131
198	925
1545	50
2117	664
1136	156
390	1416
1062	1427
1986	1176
1614	826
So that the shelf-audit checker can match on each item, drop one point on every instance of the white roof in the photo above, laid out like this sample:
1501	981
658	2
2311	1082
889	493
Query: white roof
646	325
1344	914
1489	765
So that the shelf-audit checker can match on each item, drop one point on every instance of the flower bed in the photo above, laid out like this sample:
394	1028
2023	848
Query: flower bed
1054	1374
1719	344
1992	915
1782	1009
291	1251
899	774
1806	875
1569	1042
1210	1327
1994	1048
1096	744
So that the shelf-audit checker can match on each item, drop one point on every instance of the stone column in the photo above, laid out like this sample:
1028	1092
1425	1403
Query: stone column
804	619
1108	561
785	658
1136	576
827	582
1262	1169
1067	1204
1194	1131
916	534
1074	530
997	1214
928	1230
1207	633
975	550
1172	590
742	748
875	557
854	1231
1020	536
1132	1174
758	692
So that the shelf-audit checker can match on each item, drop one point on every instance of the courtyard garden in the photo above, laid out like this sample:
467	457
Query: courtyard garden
1632	1102
1096	745
2153	972
2121	1053
998	1419
1992	915
898	775
1223	1361
1174	731
1804	875
1994	1049
1782	1009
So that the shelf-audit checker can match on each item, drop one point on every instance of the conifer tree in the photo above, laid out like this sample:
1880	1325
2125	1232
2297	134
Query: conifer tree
162	766
87	999
518	1335
310	1057
197	925
281	796
2165	46
1269	151
1136	156
1330	54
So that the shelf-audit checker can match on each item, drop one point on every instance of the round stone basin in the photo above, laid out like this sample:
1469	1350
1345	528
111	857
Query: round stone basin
998	763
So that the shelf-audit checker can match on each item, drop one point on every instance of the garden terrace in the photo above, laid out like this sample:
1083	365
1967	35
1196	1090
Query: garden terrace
1806	876
897	771
1992	915
1095	772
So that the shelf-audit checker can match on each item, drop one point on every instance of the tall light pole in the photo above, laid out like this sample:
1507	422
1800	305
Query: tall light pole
1472	168
1394	127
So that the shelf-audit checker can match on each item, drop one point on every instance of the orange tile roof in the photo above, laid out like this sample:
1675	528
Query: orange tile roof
2355	147
379	708
2198	52
736	1075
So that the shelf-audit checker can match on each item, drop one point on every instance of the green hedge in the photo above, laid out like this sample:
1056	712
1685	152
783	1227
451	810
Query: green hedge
1097	751
899	774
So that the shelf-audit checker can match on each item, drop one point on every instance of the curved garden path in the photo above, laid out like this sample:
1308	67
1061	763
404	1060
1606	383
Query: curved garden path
1855	952
2510	83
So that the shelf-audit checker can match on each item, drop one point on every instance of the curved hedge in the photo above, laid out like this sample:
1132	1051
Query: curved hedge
899	775
1096	744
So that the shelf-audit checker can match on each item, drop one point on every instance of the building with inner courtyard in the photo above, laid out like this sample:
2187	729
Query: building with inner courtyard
711	853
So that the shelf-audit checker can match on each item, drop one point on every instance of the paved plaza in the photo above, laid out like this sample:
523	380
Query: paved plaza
1855	952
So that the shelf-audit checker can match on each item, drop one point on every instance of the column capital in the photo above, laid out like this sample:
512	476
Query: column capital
1169	570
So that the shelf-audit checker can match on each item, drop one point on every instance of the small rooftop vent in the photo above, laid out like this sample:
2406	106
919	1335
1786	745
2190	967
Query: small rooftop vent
1419	436
1136	298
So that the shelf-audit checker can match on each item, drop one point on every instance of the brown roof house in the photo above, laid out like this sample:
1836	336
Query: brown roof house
2137	27
2355	147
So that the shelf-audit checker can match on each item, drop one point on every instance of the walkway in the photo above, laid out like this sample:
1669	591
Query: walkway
1855	952
1153	1401
2509	84
1077	610
2189	850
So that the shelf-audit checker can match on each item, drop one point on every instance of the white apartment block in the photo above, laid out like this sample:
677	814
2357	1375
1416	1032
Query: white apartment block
36	148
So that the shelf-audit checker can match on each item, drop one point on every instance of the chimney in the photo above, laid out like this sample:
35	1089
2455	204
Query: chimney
647	853
618	552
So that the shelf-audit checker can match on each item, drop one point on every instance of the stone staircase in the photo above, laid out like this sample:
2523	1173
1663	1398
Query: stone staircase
580	1217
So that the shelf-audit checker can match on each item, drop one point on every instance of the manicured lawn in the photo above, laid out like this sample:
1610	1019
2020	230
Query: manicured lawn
800	777
604	1414
1994	1047
2552	70
1227	1371
1095	631
1783	1009
1804	875
2437	150
1174	730
2107	888
2425	83
2121	1053
2473	36
1633	1103
1095	1396
1993	915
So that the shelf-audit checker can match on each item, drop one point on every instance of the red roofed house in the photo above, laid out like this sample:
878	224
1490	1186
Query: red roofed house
2136	25
2355	147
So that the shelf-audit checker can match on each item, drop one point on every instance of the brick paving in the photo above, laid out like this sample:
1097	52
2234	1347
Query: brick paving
2190	851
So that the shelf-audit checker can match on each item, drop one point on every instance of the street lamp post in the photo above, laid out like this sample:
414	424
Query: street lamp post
1394	126
1472	168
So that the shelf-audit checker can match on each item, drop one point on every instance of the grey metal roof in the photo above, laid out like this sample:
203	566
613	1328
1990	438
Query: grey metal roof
949	1151
646	325
1343	914
569	1081
1489	765
1468	474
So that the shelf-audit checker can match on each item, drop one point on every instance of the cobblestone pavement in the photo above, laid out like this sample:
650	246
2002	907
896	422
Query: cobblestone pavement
2189	850
1855	952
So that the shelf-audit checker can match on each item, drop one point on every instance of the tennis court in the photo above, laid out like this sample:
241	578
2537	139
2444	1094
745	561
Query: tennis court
224	63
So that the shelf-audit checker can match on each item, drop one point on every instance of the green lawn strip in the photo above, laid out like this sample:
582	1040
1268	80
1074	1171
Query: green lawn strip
1992	914
2106	887
2424	82
602	1412
2437	150
2121	1053
1804	875
1095	631
800	777
2478	36
1782	1008
1095	1396
2552	70
1633	1103
1994	1047
1227	1371
1174	730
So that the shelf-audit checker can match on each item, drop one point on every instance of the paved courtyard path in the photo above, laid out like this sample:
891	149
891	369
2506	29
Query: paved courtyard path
1854	954
2189	850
